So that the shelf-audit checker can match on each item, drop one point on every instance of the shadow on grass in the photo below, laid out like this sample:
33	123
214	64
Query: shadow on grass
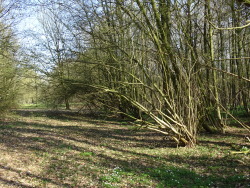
140	138
69	115
27	174
171	176
140	174
53	114
13	183
79	151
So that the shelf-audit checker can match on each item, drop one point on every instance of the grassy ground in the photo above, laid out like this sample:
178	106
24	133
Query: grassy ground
62	149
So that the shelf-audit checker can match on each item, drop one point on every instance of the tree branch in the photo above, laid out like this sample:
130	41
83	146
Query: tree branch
229	28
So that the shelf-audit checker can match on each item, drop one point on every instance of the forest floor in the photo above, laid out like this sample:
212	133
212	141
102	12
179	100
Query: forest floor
40	148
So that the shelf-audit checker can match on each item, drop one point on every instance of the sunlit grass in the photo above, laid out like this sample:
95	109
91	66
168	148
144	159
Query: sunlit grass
33	106
66	150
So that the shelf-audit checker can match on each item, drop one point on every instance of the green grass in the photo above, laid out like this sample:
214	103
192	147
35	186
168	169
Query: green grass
67	150
33	106
37	139
86	154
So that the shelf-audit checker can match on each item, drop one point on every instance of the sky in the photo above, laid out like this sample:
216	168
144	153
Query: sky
28	26
29	34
